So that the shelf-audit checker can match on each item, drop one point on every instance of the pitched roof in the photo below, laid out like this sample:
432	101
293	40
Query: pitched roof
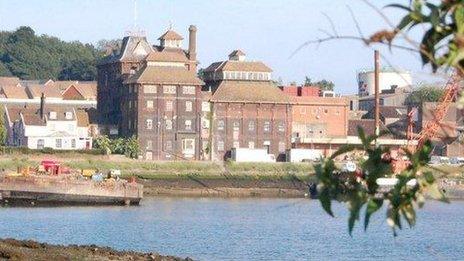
50	91
82	118
88	90
309	100
245	91
167	55
63	85
13	91
170	35
241	66
9	81
165	75
367	125
236	53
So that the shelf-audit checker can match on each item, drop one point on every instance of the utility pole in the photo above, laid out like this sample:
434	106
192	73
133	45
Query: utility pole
377	98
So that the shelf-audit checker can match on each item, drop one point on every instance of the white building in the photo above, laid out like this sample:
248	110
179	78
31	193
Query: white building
56	127
388	79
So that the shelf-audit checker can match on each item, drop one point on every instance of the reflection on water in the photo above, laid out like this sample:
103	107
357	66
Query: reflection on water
239	229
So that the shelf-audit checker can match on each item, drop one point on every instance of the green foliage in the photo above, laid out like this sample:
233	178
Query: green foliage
28	56
128	147
360	191
3	132
424	94
442	43
325	85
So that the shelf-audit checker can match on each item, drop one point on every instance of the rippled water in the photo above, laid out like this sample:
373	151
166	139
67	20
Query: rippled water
241	229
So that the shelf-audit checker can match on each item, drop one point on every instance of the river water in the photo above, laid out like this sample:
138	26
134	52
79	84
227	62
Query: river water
242	229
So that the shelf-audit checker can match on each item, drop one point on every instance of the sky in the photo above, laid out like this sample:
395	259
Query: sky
266	30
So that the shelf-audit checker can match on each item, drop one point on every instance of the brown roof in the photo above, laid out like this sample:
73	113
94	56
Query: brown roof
82	118
50	91
246	91
63	85
366	124
309	100
31	113
165	75
88	90
170	35
242	66
9	81
14	91
167	55
236	53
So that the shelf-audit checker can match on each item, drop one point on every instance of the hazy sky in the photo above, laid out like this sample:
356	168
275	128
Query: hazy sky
267	30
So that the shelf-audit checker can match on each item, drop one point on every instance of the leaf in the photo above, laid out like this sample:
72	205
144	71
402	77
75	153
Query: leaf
372	206
325	200
459	17
356	205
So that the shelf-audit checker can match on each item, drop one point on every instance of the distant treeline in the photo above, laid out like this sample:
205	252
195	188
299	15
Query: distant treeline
28	56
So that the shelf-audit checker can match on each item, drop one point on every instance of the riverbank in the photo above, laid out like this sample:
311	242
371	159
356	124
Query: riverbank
11	249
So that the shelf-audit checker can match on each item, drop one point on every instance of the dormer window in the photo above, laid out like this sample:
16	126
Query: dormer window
68	115
52	115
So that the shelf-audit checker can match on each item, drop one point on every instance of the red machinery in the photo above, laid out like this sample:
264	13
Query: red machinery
53	167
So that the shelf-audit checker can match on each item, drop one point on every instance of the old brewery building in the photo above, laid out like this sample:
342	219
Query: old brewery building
153	93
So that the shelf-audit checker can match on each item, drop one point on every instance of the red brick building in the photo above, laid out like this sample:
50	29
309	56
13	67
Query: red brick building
304	91
248	111
158	95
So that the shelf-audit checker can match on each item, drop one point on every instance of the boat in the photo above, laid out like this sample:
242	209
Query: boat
66	189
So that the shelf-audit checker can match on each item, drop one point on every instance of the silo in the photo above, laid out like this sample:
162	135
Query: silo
388	79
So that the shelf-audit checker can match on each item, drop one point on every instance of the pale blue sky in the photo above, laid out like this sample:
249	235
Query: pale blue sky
267	30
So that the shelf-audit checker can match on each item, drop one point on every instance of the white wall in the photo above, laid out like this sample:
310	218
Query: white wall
386	80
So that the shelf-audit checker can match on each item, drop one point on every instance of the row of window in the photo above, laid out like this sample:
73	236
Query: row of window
167	89
188	145
303	110
58	143
168	124
251	126
169	105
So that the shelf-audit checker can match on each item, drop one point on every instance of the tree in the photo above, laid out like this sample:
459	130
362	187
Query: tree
325	85
424	94
442	47
28	56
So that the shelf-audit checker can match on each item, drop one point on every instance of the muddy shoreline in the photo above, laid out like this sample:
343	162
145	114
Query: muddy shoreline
12	249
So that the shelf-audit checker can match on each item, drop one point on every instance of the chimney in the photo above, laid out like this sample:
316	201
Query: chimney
192	43
42	105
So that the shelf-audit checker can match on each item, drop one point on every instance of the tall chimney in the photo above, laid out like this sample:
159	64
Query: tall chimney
42	105
377	98
192	43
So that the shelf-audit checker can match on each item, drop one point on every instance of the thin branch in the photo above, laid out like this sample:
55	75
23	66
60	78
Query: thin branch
332	25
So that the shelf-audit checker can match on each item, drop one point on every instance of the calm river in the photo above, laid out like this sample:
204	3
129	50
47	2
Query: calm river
241	229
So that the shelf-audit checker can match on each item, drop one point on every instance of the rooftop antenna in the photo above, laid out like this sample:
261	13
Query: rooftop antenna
135	31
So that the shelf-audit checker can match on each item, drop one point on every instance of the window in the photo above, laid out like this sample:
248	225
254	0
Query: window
68	115
168	105
188	146
149	124
169	89
267	126
220	145
236	144
150	89
40	144
129	124
188	106
236	125
251	126
135	88
282	146
220	125
188	125
188	90
73	143
302	110
130	104
281	127
168	145
205	106
149	155
205	123
149	145
58	143
260	76
251	144
149	104
168	124
52	115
